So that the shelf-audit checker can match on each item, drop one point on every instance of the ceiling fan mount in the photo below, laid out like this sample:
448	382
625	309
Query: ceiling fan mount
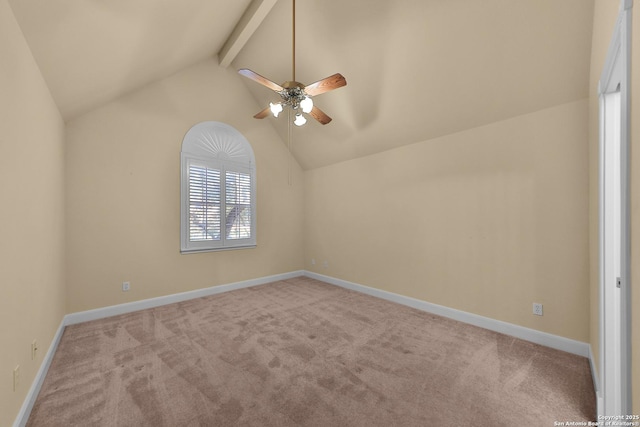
294	94
292	85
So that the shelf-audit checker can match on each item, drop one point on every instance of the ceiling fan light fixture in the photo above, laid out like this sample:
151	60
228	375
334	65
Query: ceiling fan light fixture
275	108
306	104
294	94
300	120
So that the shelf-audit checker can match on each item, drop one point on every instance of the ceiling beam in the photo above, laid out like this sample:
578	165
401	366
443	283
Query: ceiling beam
246	26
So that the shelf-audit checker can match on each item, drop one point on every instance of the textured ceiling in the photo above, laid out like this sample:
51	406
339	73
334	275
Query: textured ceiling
416	69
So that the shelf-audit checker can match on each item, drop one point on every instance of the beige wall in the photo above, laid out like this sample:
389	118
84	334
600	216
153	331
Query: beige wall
123	189
487	221
32	215
605	14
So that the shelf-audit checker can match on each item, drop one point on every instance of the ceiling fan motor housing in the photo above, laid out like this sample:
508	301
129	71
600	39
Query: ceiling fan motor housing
293	93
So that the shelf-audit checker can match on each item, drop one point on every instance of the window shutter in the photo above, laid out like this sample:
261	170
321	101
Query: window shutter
204	203
238	205
218	200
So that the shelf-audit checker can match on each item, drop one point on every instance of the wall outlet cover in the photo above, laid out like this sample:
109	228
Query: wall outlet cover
537	309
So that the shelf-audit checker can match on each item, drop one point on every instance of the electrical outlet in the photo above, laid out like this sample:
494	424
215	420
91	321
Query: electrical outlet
325	264
537	309
313	261
34	350
126	286
16	377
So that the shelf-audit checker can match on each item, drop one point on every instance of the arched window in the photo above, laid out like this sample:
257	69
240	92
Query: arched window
218	189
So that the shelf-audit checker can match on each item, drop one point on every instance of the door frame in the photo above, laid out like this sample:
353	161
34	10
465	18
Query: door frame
615	393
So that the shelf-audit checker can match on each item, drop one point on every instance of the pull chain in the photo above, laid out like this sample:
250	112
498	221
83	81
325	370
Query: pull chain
289	129
290	158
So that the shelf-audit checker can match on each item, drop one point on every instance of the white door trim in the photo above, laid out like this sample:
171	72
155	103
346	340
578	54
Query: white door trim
615	359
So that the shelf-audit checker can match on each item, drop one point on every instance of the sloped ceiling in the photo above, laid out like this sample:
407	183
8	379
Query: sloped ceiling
93	51
416	69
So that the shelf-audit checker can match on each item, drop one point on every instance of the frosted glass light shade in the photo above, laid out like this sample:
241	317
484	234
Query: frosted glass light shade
275	108
300	120
306	105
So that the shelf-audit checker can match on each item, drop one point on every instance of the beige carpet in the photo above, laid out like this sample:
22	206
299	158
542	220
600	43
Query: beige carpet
304	353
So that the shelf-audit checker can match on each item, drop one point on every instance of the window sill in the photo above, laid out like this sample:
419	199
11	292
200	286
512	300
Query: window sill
233	248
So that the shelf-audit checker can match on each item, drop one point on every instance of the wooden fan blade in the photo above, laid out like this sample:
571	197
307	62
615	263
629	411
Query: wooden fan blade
325	85
262	114
259	79
319	115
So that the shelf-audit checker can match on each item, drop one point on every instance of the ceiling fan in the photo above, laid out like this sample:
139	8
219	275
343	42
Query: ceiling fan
294	94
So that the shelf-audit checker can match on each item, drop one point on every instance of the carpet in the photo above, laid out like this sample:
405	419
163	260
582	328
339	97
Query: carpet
301	352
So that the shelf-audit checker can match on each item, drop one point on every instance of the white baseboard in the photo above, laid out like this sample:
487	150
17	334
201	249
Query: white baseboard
596	384
32	394
114	310
549	340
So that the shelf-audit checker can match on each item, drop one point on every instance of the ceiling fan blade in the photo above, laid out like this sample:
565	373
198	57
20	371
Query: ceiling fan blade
262	114
259	79
319	115
325	85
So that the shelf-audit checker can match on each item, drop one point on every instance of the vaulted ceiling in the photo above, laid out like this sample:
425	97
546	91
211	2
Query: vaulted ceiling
416	69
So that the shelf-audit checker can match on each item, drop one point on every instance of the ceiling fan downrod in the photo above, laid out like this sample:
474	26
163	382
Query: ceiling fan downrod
293	38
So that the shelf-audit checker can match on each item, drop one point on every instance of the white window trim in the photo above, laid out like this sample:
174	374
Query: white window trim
222	147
